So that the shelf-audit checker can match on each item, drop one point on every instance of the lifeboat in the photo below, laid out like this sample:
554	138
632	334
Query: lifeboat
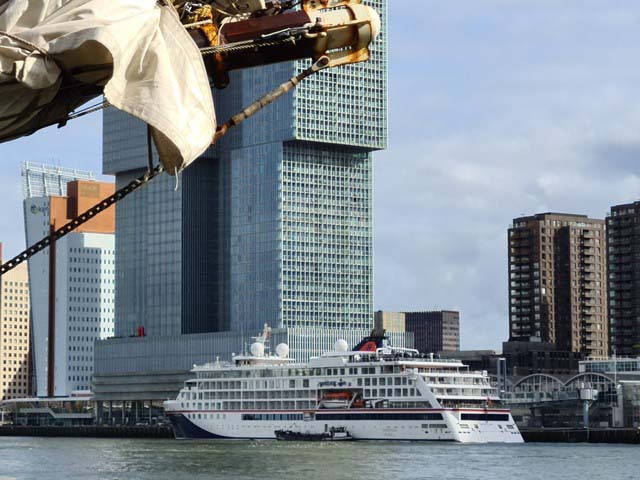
337	399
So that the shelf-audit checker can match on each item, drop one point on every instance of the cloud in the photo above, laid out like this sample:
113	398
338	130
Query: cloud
500	109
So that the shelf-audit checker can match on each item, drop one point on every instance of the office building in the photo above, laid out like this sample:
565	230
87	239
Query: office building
434	331
14	333
623	259
72	287
389	321
557	282
272	225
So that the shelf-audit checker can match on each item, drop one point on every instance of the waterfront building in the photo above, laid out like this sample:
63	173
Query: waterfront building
550	401
623	262
434	331
14	333
526	358
613	365
557	282
58	412
272	225
71	285
389	321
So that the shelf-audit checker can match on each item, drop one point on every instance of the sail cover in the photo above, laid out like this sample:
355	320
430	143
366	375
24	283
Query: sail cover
55	55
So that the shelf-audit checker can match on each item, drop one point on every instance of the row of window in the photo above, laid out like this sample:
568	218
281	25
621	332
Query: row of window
378	416
272	416
485	417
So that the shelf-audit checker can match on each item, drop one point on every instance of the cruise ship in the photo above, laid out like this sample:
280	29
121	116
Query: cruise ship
373	391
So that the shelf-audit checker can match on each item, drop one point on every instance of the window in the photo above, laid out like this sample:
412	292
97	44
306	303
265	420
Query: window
485	417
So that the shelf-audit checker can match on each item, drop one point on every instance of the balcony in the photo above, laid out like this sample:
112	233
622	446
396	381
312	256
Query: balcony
587	293
589	303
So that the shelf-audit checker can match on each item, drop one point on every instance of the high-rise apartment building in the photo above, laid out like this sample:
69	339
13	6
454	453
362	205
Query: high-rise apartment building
434	331
623	259
272	225
14	333
72	287
557	282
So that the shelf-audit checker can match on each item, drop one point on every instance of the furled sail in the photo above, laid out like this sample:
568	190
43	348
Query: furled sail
55	55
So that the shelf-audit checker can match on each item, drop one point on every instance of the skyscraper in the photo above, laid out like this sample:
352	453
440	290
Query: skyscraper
14	333
623	259
71	285
557	282
272	225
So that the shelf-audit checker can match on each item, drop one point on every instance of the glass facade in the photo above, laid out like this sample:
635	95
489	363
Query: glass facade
148	259
347	105
148	235
326	240
300	199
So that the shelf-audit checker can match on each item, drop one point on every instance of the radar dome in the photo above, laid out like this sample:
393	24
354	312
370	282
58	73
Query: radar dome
282	350
341	346
257	349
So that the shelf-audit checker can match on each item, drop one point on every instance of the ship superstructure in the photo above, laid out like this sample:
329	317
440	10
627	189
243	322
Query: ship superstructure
374	392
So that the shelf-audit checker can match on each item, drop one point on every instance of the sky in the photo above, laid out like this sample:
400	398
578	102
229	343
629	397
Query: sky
497	108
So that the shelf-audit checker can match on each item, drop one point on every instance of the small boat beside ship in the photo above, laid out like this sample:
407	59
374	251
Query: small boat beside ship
335	434
371	392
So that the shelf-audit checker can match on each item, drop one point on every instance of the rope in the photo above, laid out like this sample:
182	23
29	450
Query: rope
33	46
244	46
86	111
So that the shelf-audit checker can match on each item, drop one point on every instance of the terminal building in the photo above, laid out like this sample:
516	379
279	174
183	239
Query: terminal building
72	282
272	225
609	386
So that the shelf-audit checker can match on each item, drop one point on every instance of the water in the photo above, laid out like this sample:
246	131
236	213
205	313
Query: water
53	458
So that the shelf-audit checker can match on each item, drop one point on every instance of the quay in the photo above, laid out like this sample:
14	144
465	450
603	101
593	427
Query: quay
581	435
538	435
87	431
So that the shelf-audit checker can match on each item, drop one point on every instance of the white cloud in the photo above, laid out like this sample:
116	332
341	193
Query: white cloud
505	111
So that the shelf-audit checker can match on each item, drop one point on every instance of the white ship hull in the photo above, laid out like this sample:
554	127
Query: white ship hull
234	425
374	392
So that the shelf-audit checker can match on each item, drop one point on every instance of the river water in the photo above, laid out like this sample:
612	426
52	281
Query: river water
54	458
